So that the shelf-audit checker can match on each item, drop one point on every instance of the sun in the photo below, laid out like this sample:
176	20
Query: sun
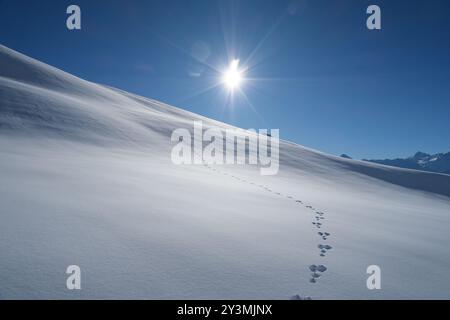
233	77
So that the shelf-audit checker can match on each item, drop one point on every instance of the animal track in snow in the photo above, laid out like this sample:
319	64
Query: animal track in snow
298	297
323	235
317	224
316	272
324	248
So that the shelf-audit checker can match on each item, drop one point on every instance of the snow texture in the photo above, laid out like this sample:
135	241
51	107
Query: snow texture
87	179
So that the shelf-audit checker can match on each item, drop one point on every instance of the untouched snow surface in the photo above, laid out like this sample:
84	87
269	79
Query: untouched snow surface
87	179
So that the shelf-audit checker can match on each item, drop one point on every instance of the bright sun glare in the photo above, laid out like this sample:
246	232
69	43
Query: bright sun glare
233	76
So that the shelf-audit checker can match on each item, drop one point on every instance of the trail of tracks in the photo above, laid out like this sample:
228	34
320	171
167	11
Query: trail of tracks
319	219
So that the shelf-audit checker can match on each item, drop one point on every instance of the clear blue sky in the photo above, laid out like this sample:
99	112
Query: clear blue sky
316	71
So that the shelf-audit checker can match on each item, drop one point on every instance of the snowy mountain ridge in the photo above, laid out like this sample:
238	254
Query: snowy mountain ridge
439	162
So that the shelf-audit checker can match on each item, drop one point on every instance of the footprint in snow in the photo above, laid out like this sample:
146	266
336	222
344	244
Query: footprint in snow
317	224
324	249
324	235
298	297
316	272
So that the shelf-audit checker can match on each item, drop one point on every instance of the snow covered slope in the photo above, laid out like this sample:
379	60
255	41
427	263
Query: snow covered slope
87	180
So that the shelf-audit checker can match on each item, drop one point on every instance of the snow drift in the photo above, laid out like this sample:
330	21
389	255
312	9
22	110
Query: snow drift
87	180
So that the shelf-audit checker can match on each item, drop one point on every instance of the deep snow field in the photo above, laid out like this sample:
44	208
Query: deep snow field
87	179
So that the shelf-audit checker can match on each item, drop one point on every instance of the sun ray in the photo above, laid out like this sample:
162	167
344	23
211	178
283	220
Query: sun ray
202	91
252	107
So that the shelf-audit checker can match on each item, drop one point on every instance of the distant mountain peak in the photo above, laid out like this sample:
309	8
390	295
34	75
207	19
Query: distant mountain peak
420	155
